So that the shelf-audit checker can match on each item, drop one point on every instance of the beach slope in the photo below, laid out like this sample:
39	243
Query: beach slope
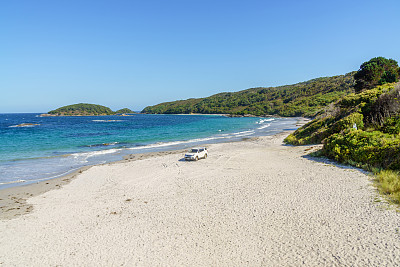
250	203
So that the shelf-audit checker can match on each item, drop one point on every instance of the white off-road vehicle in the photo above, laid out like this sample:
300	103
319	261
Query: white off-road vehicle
196	153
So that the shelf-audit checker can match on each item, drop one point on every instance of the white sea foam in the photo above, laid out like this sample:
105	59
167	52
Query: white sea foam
22	126
243	133
13	182
264	120
84	156
95	153
223	135
264	126
197	140
107	120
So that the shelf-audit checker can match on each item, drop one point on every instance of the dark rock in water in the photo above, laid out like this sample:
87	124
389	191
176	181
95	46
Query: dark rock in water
234	116
103	144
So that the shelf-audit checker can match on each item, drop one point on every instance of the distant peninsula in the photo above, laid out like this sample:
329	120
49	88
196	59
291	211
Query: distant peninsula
84	109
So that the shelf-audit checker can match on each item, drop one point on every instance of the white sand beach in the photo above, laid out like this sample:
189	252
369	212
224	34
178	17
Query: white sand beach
250	203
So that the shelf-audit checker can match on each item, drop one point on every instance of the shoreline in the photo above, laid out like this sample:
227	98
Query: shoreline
25	168
13	200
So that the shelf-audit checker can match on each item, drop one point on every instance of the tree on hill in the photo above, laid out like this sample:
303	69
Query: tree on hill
377	71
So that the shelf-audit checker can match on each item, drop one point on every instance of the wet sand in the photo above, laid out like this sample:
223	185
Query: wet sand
13	200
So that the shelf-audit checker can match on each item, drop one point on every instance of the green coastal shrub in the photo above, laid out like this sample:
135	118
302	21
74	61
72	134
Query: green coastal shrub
354	108
391	125
311	133
389	184
364	149
385	106
317	130
365	97
354	119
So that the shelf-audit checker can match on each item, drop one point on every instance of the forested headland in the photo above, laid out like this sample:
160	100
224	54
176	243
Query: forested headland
301	99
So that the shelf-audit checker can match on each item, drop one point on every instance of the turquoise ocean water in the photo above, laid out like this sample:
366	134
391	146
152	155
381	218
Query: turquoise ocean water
55	146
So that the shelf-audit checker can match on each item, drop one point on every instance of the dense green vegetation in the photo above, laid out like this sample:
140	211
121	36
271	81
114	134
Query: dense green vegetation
82	109
362	130
124	111
368	120
376	71
301	99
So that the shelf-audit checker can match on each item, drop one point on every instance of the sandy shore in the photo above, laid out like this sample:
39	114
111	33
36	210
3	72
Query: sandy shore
251	203
13	200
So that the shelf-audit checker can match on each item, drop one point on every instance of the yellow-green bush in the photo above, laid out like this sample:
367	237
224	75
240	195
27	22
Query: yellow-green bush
319	129
389	184
342	115
347	123
292	140
391	125
372	149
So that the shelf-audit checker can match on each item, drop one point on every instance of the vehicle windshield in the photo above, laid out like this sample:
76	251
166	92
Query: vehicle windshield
194	150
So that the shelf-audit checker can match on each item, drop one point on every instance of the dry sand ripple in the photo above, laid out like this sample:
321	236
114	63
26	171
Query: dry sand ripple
251	203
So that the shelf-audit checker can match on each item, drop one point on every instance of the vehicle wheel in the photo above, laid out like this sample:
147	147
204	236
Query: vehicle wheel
205	156
197	158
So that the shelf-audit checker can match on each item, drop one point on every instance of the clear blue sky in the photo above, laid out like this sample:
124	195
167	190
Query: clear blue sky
128	53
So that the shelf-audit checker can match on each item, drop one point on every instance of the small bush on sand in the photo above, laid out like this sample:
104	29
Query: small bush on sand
389	184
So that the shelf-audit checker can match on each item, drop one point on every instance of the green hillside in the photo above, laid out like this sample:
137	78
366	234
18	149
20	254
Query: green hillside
82	109
124	111
363	128
355	112
301	99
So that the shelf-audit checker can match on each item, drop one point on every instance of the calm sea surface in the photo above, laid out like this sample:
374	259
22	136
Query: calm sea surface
58	145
